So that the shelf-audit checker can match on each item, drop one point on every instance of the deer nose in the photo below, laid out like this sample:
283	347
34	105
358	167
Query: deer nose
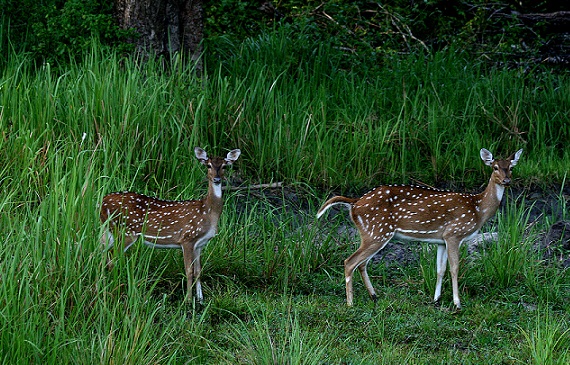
506	181
217	180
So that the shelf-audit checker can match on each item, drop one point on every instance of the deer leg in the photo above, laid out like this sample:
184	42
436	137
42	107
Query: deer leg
188	252
107	239
197	272
128	242
453	258
441	265
360	258
348	283
366	279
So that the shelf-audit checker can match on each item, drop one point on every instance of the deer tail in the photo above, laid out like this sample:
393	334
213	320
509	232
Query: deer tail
348	202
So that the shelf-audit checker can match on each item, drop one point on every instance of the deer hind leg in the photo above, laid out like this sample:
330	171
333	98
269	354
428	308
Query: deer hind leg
441	264
366	279
129	240
368	248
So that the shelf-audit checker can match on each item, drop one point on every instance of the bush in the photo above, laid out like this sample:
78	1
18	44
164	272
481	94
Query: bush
59	31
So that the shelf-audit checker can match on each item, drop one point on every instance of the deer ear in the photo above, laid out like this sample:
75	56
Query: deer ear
515	157
232	156
487	157
201	154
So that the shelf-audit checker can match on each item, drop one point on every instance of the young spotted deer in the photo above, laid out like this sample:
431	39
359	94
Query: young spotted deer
412	213
188	224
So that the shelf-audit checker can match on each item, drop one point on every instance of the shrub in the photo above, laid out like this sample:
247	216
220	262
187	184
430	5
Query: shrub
59	31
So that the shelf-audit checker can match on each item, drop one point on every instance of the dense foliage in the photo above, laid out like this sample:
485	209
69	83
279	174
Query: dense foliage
365	31
362	31
55	30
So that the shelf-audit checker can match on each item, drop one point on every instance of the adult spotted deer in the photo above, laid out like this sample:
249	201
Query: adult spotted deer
188	224
412	213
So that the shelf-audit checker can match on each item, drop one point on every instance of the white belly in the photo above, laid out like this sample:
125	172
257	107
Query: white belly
416	237
400	236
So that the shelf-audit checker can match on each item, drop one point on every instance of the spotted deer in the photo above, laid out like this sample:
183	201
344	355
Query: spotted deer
412	213
187	225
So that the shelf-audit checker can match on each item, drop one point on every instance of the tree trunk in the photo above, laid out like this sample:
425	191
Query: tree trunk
164	27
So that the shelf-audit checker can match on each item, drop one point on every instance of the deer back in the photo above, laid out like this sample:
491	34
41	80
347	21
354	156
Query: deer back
158	219
416	212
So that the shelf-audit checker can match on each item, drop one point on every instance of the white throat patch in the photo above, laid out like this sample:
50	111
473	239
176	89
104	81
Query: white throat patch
499	190
218	190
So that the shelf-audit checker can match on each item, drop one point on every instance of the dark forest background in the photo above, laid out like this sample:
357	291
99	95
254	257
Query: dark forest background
519	33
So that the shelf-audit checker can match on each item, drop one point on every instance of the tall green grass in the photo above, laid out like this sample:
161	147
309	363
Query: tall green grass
70	136
296	116
419	117
59	304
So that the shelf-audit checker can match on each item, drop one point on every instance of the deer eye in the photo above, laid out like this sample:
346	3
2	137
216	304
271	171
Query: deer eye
496	168
209	166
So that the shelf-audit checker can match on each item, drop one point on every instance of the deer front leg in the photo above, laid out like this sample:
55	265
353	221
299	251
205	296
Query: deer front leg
188	252
453	259
441	266
197	272
108	241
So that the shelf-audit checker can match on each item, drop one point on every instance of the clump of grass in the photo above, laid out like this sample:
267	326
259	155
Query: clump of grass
273	337
547	339
504	262
428	270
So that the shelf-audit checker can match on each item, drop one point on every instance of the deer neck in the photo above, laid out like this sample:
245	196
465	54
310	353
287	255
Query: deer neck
489	200
214	198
